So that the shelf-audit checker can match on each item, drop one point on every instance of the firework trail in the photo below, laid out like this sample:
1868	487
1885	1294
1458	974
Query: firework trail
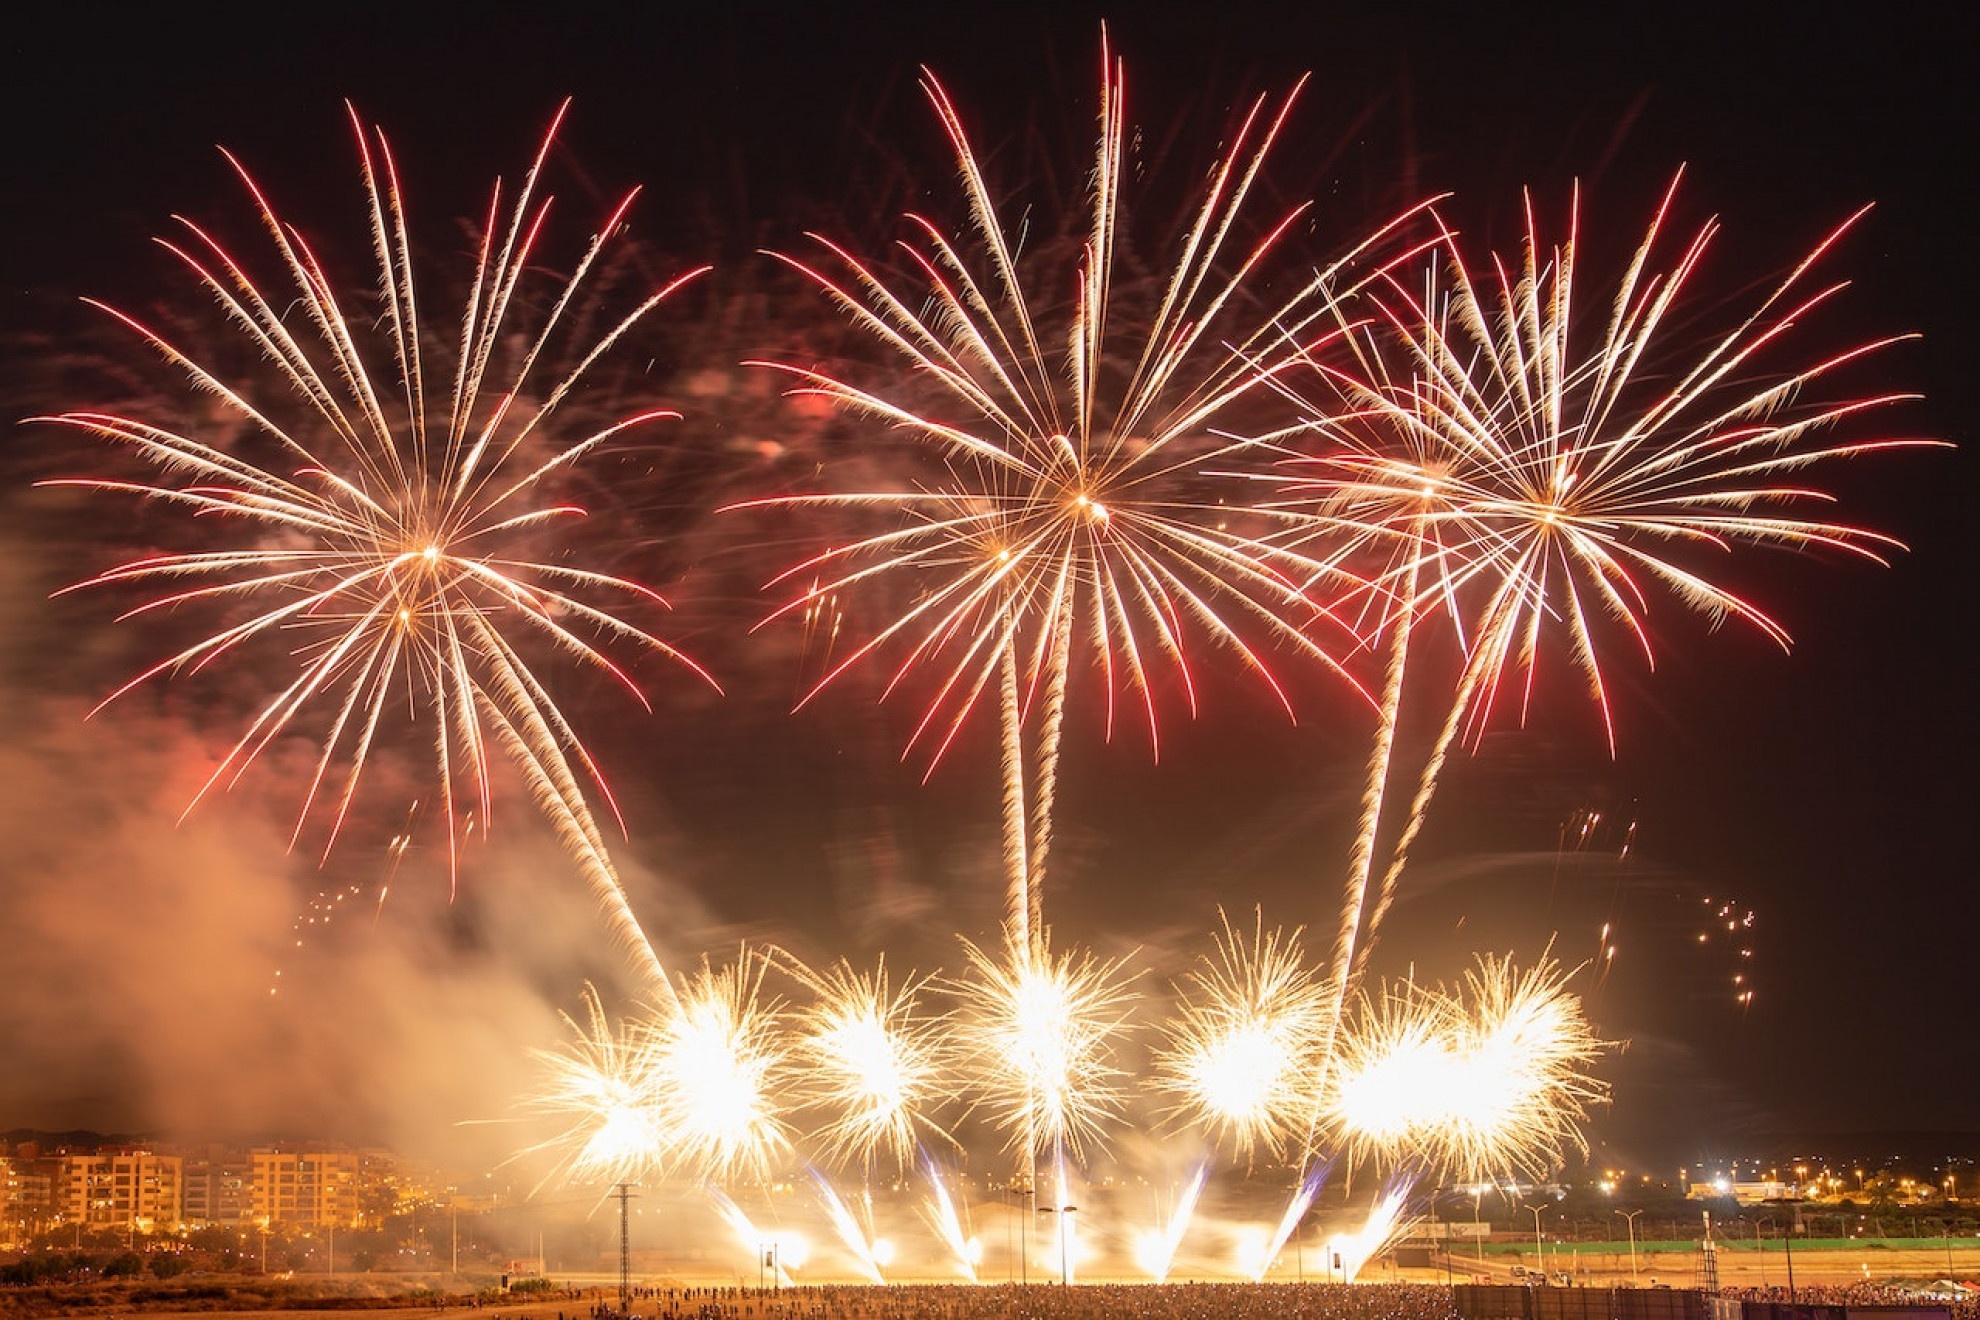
781	1252
1061	512
1155	1250
940	1213
1302	1201
388	505
1385	1224
856	1237
1527	469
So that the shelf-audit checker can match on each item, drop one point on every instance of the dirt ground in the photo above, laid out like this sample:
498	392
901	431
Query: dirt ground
1600	1267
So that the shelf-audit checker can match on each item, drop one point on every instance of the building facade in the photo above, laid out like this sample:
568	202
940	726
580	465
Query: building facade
129	1187
305	1188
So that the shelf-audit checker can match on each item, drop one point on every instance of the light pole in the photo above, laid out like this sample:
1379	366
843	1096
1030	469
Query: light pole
1539	1247
1630	1217
1025	1184
1064	1212
1787	1242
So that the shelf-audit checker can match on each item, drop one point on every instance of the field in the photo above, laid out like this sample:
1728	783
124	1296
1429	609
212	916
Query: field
1598	1265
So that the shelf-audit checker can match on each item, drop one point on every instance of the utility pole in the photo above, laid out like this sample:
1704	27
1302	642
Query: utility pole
625	1249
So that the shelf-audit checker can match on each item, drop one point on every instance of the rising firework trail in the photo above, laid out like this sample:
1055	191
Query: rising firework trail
1301	1201
855	1233
780	1251
1062	423
1385	1224
388	510
1155	1249
1529	470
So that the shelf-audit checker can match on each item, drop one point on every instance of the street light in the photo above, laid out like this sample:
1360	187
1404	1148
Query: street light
1539	1247
1630	1216
1064	1212
1026	1187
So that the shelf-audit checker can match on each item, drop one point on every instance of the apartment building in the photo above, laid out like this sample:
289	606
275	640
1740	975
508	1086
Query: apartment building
216	1186
128	1187
27	1197
304	1187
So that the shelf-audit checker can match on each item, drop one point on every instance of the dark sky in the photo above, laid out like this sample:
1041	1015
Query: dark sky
1829	792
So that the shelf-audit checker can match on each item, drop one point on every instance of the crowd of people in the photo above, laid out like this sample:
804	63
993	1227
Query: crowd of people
1143	1301
1173	1301
1865	1293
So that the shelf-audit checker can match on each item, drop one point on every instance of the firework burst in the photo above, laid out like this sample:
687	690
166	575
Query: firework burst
390	508
603	1083
1242	1046
723	1060
1041	1036
1062	507
873	1060
1529	470
1488	1080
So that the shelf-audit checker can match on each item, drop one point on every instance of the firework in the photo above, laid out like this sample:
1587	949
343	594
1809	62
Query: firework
870	1254
940	1213
701	1084
389	506
1242	1046
1385	1223
1155	1250
1526	469
1266	1249
873	1060
722	1057
1061	505
1041	1035
780	1251
604	1083
1487	1080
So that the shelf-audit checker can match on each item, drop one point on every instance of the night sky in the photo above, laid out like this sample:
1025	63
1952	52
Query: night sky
1828	792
